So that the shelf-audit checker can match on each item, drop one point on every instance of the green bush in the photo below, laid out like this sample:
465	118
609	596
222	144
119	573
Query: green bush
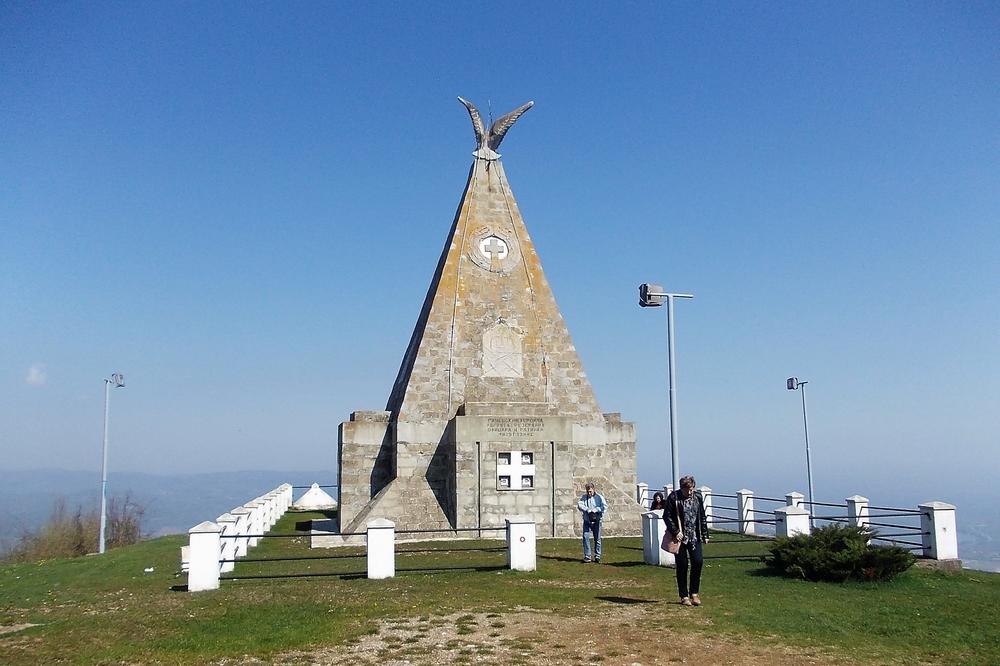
837	553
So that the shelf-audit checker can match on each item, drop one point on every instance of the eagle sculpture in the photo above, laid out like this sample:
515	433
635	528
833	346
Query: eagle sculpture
488	143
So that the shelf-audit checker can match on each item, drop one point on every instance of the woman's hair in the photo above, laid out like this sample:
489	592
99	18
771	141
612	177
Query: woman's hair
657	496
687	481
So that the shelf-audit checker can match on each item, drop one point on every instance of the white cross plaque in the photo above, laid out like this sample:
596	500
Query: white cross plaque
515	470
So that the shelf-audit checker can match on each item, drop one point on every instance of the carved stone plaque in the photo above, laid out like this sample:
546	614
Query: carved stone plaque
502	356
494	250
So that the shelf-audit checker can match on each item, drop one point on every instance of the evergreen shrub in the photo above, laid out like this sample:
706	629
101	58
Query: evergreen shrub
837	553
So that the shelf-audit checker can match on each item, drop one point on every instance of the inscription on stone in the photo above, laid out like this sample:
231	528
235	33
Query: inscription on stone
512	427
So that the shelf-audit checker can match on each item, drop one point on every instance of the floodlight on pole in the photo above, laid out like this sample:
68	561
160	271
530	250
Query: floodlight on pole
118	380
652	295
792	384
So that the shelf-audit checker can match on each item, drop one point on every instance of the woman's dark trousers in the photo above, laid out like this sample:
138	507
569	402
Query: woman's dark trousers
692	552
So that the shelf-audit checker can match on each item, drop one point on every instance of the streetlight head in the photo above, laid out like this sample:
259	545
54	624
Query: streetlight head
792	383
118	379
651	295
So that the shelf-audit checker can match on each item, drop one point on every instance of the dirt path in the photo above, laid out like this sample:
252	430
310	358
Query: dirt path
627	632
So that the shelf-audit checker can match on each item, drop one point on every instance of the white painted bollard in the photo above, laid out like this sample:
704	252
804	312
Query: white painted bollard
857	511
791	521
227	541
667	489
938	530
706	496
641	492
794	499
521	543
744	502
203	551
242	515
653	529
381	541
185	558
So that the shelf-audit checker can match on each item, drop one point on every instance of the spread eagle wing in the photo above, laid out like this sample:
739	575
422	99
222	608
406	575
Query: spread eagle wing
477	121
504	123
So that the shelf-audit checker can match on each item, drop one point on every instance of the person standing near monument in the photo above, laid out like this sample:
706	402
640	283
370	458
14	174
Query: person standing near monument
592	505
686	522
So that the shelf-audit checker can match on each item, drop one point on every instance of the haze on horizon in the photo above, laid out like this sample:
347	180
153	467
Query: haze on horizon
240	208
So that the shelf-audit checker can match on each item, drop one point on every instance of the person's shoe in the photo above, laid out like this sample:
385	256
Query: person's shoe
695	601
586	560
598	560
686	601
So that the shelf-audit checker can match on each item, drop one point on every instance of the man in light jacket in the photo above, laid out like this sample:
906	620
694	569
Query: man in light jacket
592	505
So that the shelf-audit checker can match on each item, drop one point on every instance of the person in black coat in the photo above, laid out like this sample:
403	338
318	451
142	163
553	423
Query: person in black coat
686	521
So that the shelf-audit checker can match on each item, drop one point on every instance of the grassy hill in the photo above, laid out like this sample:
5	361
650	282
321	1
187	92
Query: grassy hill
457	603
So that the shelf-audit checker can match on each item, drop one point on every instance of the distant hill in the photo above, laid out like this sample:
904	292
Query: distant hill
174	503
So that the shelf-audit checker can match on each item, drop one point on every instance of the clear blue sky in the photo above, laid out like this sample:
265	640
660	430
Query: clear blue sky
240	207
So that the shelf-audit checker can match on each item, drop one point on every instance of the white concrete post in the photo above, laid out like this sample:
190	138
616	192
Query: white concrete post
260	509
706	495
648	553
269	510
521	543
275	497
938	532
242	515
667	489
256	522
857	511
641	492
794	499
203	551
790	521
744	501
276	511
653	530
227	547
381	540
185	558
265	513
286	497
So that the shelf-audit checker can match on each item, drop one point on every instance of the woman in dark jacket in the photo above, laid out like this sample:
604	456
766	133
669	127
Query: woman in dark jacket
686	522
657	503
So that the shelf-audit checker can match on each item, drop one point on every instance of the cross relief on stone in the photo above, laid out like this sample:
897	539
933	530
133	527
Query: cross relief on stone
493	247
515	470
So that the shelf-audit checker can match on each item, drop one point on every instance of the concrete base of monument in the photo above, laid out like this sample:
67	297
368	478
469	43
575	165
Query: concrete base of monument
491	461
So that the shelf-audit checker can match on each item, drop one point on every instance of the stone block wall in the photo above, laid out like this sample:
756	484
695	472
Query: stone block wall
365	459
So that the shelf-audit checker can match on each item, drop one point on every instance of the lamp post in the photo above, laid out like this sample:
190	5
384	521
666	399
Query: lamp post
792	384
119	381
652	295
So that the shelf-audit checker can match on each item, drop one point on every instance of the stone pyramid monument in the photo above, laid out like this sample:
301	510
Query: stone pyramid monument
491	413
